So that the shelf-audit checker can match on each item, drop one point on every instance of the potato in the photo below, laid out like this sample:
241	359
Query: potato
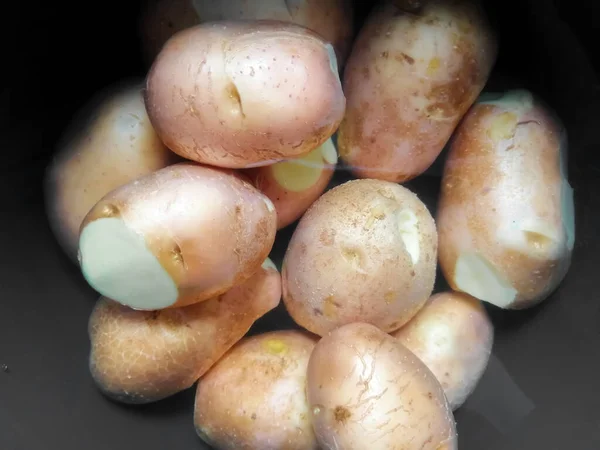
365	251
506	215
368	391
109	143
409	80
181	235
245	94
295	184
145	356
453	336
255	396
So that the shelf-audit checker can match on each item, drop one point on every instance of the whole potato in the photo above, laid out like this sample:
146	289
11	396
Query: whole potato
254	398
409	80
181	235
368	391
506	215
365	251
245	94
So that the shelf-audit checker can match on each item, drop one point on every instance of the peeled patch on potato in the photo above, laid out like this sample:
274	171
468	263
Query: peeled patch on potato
245	94
506	217
145	356
364	251
181	235
254	398
368	391
453	336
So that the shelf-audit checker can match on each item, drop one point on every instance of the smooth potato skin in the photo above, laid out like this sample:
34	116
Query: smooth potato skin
366	390
244	94
409	80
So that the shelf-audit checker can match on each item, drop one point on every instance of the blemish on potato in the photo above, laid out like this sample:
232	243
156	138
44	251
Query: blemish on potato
109	210
503	126
276	347
434	65
376	213
537	240
389	297
330	306
341	414
352	257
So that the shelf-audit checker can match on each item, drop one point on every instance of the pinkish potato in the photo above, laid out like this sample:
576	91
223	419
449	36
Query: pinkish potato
409	80
145	356
365	251
254	398
181	235
245	94
110	143
506	215
453	336
368	391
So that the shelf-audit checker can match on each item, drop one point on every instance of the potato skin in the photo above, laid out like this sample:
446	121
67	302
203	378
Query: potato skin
367	390
244	94
254	398
409	80
347	260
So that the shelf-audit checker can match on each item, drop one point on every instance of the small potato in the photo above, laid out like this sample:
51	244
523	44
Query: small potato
145	356
368	391
294	185
181	235
410	78
506	215
365	251
245	94
254	398
453	336
109	143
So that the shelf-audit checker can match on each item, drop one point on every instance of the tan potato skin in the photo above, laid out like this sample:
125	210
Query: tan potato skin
489	184
368	391
346	261
453	336
145	356
195	217
409	80
110	143
254	398
244	94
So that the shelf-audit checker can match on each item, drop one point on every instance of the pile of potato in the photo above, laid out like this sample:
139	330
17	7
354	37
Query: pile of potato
170	193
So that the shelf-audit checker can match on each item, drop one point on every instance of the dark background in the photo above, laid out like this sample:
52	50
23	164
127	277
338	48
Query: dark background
541	387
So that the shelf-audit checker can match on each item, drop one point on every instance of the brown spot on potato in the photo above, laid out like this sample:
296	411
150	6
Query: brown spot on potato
234	95
353	257
109	210
341	414
331	306
537	240
389	297
327	237
404	57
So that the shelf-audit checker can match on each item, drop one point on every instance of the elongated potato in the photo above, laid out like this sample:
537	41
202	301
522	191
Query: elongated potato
109	143
295	184
368	391
453	336
506	216
254	398
365	251
245	94
145	356
181	235
409	80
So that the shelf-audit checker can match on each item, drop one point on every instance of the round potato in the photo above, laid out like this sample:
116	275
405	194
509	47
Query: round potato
409	80
109	143
505	215
254	398
145	356
245	94
365	251
453	336
295	184
181	235
366	390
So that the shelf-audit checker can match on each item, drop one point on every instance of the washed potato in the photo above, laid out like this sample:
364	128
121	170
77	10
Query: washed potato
365	251
453	336
181	235
295	184
109	143
368	391
245	94
506	216
145	356
410	78
254	398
